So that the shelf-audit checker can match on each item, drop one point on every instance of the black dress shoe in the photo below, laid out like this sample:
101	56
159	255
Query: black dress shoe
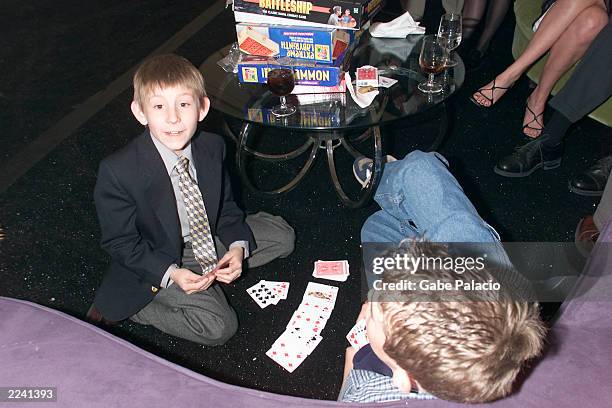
592	181
530	157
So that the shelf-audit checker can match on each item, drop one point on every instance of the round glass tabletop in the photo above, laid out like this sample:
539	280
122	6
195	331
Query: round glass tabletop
395	58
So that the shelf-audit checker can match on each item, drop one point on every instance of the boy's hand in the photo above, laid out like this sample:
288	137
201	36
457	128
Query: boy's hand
191	282
234	269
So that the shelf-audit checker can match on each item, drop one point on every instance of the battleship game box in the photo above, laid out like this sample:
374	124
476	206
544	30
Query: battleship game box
347	14
309	43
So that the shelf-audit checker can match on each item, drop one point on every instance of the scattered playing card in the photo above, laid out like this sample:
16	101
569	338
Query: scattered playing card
280	289
358	336
261	294
288	359
386	82
332	270
302	334
319	293
265	293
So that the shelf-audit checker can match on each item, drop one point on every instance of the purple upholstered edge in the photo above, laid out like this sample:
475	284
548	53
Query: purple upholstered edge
91	368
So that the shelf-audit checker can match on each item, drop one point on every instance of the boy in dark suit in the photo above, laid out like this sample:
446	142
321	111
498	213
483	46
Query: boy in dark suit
166	208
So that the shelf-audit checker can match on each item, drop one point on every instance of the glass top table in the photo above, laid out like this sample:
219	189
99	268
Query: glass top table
324	120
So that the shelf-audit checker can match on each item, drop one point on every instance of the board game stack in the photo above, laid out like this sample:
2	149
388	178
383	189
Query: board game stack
316	37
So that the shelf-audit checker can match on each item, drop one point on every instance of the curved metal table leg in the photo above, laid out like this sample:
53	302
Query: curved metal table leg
265	156
367	192
241	151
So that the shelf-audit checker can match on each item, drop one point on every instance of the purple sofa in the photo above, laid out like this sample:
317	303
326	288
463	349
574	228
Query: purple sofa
92	368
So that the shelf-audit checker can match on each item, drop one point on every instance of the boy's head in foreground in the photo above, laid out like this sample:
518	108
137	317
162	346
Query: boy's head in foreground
169	98
457	349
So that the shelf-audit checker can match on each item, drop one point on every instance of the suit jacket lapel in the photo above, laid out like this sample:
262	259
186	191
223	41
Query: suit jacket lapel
207	169
158	189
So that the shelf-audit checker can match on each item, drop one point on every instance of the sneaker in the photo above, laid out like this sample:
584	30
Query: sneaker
530	157
592	181
362	168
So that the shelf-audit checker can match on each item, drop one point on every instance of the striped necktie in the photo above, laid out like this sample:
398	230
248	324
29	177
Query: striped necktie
202	241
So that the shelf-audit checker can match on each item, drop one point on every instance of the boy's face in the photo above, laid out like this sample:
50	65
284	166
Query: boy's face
172	114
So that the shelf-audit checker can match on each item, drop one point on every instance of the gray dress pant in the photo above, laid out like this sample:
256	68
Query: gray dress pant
591	82
206	317
589	87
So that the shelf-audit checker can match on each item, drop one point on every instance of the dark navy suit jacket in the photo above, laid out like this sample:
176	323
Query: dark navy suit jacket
139	220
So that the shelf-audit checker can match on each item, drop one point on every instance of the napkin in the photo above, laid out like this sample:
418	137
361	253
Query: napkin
362	99
398	28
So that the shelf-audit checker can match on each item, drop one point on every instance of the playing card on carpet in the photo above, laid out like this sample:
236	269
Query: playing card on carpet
288	359
307	323
332	270
322	309
358	336
319	293
261	294
295	341
280	289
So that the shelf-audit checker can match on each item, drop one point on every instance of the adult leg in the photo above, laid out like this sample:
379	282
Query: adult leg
568	49
589	86
496	12
453	6
416	8
202	317
473	10
273	235
591	82
554	24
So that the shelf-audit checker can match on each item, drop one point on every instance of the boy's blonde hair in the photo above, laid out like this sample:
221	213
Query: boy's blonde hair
459	348
167	70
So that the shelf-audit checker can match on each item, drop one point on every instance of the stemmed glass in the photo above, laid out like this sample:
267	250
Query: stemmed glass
432	60
450	31
281	82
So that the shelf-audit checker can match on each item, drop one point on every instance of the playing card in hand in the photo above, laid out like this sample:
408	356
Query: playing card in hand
358	336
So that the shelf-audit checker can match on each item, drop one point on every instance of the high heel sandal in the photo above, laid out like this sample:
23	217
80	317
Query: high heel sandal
492	99
535	119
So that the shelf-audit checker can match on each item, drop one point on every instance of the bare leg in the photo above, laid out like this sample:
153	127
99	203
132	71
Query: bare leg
415	7
473	10
556	22
570	47
495	15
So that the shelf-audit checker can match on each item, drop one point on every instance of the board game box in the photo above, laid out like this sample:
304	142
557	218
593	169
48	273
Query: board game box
347	14
317	44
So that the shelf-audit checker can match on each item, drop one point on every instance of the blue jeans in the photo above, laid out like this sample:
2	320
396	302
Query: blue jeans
419	197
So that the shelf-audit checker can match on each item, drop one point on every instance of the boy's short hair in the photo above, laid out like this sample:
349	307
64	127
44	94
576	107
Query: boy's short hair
167	70
468	349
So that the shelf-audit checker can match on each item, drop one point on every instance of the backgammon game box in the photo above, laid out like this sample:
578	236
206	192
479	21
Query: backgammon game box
254	69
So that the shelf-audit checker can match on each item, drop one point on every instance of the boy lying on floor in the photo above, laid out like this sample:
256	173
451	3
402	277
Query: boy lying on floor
457	345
